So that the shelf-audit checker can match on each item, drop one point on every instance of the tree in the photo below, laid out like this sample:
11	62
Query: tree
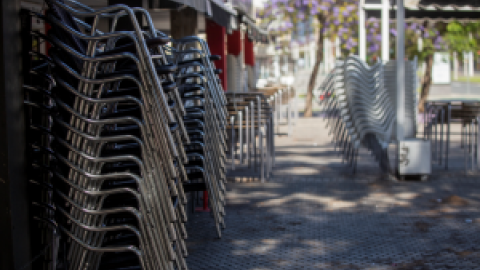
421	41
334	18
432	41
452	37
462	37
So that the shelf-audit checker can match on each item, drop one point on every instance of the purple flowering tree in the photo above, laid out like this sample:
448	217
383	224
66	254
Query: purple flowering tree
333	18
374	37
432	41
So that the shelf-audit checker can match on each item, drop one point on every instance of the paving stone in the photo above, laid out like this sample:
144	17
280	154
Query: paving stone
333	221
299	223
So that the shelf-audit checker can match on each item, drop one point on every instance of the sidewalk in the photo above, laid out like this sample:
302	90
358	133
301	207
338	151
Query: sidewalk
312	215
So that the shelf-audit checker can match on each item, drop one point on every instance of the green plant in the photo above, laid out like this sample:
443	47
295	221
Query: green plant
330	18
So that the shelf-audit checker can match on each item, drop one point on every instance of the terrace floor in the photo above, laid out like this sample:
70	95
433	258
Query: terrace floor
312	214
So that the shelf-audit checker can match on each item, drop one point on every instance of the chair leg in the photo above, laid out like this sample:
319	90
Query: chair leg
441	136
449	116
465	158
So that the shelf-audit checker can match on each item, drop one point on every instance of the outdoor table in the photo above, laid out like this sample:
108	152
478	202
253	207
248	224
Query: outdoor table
462	113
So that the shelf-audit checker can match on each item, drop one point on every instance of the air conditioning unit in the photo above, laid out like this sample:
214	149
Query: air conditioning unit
414	158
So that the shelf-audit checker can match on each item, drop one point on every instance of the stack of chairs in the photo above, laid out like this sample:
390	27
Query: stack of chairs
251	134
366	115
205	121
117	138
284	103
434	120
343	135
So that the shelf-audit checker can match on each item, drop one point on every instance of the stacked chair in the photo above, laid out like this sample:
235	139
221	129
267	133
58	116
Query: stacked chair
251	137
121	125
434	120
411	101
284	100
360	111
205	121
338	121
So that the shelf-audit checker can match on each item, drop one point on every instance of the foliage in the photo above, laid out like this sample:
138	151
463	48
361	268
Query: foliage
430	37
474	79
330	18
420	41
462	37
333	17
454	37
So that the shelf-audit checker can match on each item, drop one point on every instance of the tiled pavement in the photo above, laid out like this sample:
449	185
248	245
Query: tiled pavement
312	215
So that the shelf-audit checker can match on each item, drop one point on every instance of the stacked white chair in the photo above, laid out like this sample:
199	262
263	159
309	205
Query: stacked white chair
411	102
360	109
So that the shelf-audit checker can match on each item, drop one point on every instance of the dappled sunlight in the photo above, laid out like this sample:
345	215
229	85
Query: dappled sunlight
302	197
314	214
343	225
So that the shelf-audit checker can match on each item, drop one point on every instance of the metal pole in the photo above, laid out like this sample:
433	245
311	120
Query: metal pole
253	136
385	30
362	35
280	105
269	147
267	151
296	107
400	46
259	113
277	107
262	158
247	150
435	139
289	112
272	124
478	143
472	151
465	149
240	135
275	101
442	122
232	140
425	119
447	146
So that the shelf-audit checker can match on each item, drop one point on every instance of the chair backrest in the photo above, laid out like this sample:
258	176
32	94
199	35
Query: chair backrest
468	111
66	18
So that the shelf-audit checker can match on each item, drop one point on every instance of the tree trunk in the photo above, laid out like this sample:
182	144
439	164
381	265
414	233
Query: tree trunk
313	77
426	82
